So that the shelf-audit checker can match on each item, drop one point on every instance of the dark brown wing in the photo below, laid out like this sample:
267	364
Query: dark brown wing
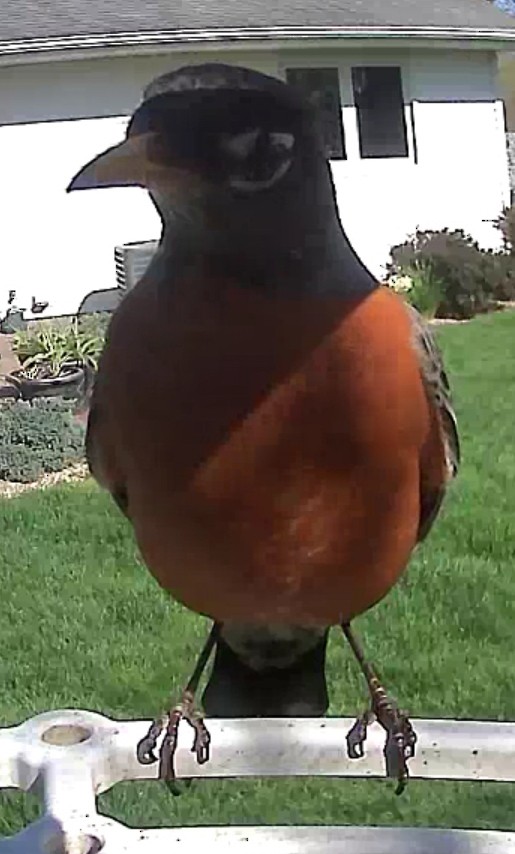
439	392
101	463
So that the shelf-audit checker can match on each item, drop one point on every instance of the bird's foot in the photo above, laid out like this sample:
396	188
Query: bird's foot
170	723
400	737
399	746
185	710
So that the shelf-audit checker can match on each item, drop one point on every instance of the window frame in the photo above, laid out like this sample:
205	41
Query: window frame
349	112
405	112
303	64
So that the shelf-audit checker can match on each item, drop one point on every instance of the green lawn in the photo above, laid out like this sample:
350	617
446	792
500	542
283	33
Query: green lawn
83	624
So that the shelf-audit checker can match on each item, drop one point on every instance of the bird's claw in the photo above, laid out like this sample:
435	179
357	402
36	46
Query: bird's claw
410	736
400	740
202	743
357	736
147	745
400	744
185	710
395	758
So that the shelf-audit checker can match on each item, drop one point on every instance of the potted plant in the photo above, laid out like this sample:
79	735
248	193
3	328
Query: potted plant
57	358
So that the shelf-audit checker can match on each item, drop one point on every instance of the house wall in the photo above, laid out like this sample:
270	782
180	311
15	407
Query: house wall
507	87
56	116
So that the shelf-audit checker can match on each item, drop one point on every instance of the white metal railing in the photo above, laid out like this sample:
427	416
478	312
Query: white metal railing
70	756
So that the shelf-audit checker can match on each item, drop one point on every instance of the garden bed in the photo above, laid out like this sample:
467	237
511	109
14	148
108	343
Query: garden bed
46	376
446	274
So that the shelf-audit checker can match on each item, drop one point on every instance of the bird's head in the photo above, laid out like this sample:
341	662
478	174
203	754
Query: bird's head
214	137
234	162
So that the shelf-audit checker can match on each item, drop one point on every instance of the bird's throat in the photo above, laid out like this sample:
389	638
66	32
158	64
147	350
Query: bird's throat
320	262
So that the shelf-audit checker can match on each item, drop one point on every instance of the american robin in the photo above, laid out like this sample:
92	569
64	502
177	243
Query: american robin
276	425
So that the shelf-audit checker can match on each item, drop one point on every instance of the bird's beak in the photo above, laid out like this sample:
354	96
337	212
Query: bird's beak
123	165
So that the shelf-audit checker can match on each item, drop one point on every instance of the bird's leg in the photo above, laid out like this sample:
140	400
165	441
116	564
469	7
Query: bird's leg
400	736
184	710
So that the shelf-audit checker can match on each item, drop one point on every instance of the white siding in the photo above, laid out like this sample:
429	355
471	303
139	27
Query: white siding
463	173
59	247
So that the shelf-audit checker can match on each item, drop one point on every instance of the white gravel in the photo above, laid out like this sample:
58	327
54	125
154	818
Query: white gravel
77	472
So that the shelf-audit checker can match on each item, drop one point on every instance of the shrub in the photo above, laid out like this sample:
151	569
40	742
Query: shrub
38	437
501	274
506	225
470	279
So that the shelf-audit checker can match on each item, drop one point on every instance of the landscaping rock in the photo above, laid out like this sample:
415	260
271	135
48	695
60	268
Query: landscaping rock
72	474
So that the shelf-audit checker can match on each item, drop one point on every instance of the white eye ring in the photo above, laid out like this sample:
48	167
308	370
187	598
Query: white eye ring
241	145
254	186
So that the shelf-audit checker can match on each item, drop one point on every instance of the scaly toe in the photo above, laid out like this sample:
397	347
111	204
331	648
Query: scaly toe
145	748
356	738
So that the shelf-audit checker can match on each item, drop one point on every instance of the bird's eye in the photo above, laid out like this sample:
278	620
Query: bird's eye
257	159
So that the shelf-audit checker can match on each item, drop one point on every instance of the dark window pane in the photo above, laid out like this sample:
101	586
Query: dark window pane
321	87
380	105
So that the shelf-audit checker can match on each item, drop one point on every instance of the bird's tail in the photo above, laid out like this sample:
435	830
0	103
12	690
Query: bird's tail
268	672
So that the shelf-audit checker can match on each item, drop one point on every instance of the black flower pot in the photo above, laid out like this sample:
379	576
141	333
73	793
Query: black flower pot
69	384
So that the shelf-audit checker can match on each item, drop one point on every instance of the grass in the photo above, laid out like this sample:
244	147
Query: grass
83	624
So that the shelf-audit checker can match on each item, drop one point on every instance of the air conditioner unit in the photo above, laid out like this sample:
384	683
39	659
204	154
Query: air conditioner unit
131	260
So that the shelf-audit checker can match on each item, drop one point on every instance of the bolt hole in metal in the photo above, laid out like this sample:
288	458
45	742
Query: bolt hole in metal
83	843
66	735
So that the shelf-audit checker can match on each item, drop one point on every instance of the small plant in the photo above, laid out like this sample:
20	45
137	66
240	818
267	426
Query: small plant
421	288
43	352
91	331
85	342
38	438
50	348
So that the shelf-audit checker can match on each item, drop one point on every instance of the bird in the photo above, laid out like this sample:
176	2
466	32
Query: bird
275	423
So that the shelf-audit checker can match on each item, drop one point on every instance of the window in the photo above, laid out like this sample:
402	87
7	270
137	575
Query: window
321	87
380	107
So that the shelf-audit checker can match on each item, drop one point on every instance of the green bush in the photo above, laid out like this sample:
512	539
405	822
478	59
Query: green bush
506	225
38	437
470	278
501	274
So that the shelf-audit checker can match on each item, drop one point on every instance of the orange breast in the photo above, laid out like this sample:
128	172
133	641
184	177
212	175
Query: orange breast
270	447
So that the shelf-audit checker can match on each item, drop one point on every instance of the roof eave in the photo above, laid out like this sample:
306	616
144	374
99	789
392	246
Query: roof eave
495	39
